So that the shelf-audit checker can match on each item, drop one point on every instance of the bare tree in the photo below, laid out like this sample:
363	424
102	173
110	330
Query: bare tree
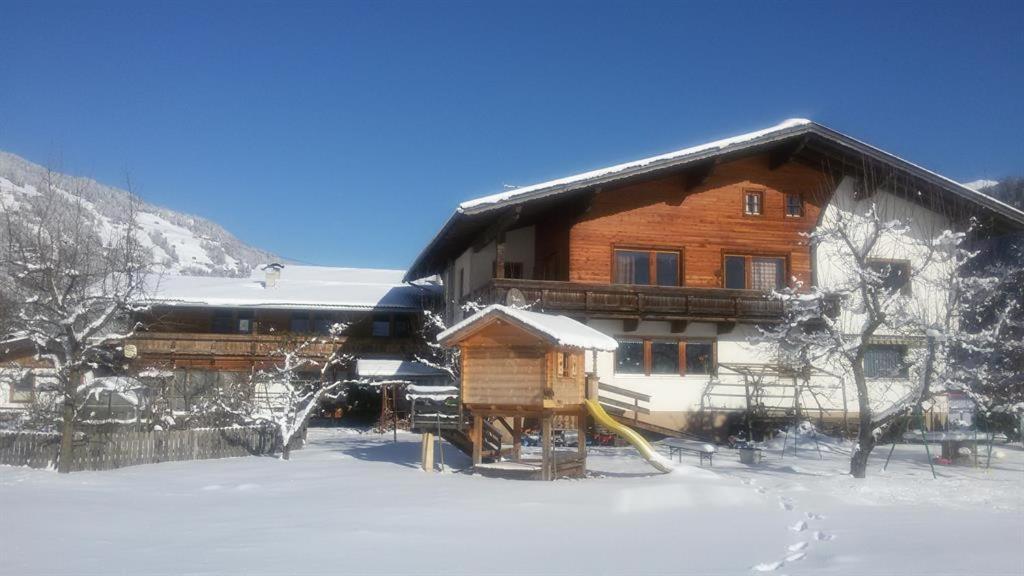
884	263
285	394
72	283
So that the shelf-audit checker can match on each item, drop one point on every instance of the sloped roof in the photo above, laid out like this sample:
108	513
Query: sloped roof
297	287
794	130
560	330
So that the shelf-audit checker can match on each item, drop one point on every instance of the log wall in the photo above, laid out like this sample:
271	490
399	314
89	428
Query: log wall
702	223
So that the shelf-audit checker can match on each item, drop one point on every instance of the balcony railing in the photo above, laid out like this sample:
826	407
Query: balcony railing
633	301
203	344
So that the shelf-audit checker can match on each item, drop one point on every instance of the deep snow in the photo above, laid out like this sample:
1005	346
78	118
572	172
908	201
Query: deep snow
355	503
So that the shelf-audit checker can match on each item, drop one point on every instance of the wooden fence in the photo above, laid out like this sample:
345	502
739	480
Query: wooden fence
129	448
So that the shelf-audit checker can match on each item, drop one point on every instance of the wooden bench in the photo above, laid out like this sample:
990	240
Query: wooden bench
678	446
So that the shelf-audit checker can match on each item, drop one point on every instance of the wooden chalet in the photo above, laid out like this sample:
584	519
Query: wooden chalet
675	256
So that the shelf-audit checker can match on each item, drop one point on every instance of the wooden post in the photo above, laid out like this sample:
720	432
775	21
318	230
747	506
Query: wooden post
428	452
581	436
517	437
499	256
478	438
546	464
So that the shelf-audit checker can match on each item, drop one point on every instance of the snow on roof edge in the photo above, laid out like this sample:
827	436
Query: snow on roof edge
484	202
562	329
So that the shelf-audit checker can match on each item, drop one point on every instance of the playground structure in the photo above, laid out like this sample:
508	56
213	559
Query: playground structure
522	368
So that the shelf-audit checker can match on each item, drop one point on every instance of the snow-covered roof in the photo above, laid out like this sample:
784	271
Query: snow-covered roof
388	368
426	263
562	330
486	202
301	287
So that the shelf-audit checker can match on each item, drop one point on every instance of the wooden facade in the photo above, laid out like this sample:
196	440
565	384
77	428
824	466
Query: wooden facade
698	224
702	223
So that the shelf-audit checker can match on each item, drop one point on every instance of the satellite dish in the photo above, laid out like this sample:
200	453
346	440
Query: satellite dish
514	298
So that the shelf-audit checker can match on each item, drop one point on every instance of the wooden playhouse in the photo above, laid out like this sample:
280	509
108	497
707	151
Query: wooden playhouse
520	368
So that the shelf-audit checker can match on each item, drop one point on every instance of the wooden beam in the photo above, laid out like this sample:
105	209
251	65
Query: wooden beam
782	155
499	226
698	174
547	455
478	438
581	436
517	438
679	326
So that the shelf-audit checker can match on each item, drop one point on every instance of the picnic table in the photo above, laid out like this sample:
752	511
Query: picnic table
678	446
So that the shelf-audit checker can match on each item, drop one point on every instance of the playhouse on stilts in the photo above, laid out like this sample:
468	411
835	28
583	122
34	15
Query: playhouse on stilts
525	370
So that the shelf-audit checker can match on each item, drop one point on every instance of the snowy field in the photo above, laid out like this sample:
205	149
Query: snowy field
355	503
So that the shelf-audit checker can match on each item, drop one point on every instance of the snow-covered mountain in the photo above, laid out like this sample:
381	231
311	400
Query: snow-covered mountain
979	185
181	243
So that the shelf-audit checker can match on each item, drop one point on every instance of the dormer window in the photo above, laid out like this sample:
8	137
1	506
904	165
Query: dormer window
894	274
794	205
753	203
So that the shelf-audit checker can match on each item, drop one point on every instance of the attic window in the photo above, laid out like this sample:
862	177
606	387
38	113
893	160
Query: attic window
753	203
794	205
381	326
22	388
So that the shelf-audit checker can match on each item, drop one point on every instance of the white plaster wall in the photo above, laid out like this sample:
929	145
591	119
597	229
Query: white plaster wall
928	298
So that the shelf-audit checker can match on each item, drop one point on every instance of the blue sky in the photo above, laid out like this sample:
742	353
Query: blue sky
344	133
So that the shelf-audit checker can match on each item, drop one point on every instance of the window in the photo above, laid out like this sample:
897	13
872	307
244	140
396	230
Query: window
566	365
403	327
381	326
641	266
632	267
322	323
512	270
894	274
794	205
223	322
765	272
245	322
22	388
629	357
886	361
665	357
753	203
666	268
699	358
300	322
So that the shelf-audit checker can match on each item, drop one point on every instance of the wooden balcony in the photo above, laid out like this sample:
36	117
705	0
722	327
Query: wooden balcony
638	302
257	345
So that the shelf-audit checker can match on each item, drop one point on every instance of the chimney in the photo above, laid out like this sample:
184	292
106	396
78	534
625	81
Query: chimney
271	274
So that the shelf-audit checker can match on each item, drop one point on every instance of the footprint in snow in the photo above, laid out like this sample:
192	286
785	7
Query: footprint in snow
785	504
797	547
768	567
799	526
795	557
814	516
824	536
760	490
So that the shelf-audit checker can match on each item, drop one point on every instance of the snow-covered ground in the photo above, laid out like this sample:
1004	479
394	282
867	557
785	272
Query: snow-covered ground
355	503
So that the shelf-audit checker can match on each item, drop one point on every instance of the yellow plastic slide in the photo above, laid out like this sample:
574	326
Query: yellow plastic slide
642	446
